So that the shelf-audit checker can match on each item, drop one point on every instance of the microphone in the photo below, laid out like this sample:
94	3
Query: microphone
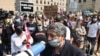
35	50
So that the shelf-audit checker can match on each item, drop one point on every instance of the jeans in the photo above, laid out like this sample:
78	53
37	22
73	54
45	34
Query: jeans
1	50
92	41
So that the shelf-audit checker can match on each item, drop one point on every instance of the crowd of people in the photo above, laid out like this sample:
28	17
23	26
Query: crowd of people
69	34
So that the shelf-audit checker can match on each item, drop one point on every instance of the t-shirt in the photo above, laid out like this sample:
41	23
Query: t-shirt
16	43
93	28
32	28
67	33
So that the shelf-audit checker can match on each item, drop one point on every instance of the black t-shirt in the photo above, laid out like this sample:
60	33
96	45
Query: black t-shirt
67	50
32	28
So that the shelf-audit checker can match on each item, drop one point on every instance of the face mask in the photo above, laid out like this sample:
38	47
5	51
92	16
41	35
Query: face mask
40	15
7	20
95	19
54	43
18	20
40	28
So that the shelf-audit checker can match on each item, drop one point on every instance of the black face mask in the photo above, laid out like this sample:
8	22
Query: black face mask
18	30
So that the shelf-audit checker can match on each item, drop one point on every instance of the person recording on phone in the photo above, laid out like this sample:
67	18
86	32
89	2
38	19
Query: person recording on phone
19	40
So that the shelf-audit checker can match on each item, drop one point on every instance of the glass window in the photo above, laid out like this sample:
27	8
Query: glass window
60	3
54	3
36	1
57	3
41	8
44	2
84	0
80	1
48	2
37	8
41	2
93	0
51	4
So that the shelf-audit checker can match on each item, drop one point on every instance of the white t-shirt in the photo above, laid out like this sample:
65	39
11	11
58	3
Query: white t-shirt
67	33
16	43
93	28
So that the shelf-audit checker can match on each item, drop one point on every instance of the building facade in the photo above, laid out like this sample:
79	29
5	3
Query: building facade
64	5
85	5
38	5
7	5
88	4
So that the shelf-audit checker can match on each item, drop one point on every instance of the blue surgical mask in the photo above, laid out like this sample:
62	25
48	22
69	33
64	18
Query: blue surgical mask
54	43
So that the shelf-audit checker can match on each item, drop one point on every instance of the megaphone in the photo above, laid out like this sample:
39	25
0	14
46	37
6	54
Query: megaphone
35	50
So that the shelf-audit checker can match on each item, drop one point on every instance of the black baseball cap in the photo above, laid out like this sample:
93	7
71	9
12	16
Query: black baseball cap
31	16
17	25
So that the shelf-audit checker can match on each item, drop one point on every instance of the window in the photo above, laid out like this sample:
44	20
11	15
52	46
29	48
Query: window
60	3
41	8
37	8
48	2
63	4
93	0
44	2
54	3
51	4
36	1
79	1
84	0
51	0
57	3
41	2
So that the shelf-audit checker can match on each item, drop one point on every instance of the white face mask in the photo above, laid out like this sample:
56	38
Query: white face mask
95	19
40	15
40	28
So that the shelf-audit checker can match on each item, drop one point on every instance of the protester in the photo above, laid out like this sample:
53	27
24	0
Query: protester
57	45
19	40
1	44
6	36
93	28
45	23
40	34
68	33
32	26
98	39
80	33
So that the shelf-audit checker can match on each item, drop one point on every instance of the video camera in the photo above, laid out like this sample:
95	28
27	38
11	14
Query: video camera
4	14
